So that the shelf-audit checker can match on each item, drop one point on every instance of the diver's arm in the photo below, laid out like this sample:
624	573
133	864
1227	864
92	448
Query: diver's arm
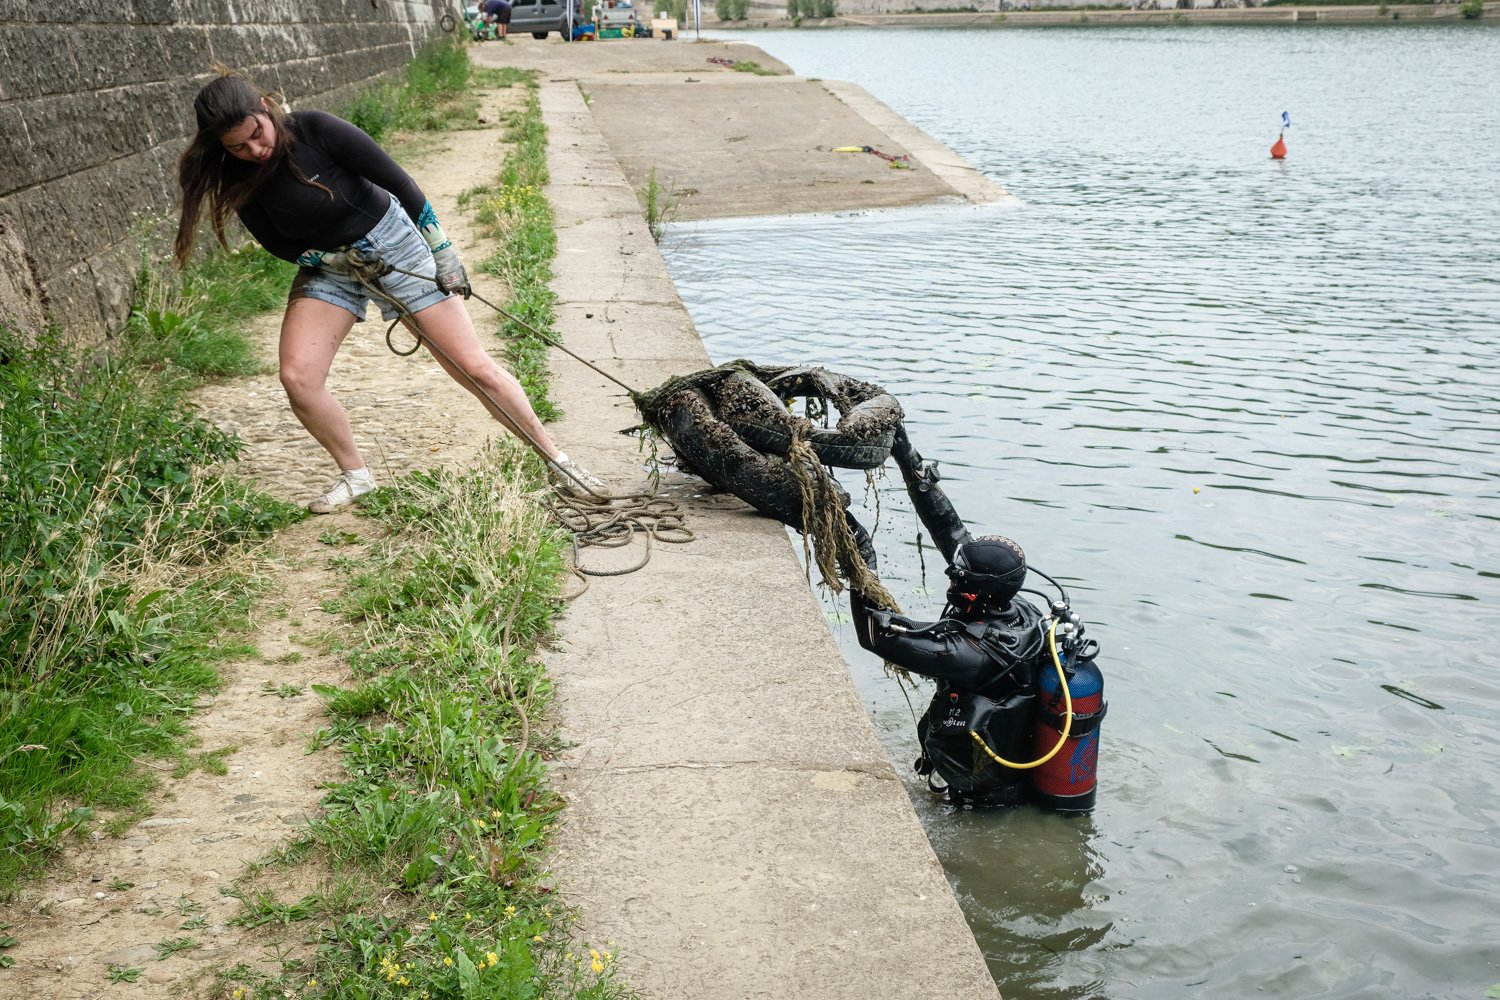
932	505
942	650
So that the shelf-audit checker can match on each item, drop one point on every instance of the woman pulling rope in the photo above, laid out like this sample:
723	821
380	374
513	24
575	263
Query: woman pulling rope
310	187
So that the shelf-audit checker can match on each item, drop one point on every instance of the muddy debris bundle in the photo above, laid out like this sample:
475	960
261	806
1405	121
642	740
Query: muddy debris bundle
733	427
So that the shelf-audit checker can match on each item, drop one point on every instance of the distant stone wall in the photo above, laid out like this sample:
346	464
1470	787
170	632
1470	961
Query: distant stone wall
96	106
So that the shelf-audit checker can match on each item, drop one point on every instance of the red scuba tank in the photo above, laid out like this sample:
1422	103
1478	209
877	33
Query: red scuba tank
1067	783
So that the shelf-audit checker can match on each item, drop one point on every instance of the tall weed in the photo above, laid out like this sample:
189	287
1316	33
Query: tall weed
517	213
195	324
436	95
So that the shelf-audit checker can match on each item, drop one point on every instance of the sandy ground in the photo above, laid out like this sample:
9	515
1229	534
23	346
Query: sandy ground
112	902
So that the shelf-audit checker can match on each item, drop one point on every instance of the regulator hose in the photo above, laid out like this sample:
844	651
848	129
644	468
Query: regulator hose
1067	713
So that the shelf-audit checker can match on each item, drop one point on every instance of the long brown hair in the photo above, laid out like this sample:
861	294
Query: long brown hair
209	172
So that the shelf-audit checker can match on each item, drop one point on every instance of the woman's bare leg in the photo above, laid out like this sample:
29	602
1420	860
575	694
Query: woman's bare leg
311	334
448	326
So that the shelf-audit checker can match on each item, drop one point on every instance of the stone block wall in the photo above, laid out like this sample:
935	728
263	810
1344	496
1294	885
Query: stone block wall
96	106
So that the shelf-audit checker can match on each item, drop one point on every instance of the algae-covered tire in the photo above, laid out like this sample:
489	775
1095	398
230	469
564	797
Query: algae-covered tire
831	447
862	439
716	454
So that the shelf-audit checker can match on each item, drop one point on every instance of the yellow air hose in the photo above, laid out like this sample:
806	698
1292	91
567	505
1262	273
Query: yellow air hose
1067	712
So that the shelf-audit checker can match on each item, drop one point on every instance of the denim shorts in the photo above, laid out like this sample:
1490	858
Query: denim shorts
395	240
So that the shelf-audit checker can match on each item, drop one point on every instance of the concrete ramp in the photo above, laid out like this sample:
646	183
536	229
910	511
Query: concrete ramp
734	144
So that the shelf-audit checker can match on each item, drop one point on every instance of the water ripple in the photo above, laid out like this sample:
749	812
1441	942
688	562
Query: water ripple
1292	368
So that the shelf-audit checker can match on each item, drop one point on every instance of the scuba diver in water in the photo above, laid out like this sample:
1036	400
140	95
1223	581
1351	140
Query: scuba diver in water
1001	729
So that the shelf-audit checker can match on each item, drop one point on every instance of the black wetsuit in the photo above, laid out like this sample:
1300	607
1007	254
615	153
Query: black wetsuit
288	217
985	663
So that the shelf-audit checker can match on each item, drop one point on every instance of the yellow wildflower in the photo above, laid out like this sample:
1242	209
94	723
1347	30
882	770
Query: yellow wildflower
537	939
491	957
510	911
597	965
447	960
431	915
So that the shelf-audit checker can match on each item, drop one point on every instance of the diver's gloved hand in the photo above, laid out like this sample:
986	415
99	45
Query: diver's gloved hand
451	276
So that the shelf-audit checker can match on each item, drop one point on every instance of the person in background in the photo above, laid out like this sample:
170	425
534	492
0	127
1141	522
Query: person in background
496	12
315	189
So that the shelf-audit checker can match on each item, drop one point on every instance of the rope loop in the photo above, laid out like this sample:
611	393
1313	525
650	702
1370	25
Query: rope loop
615	524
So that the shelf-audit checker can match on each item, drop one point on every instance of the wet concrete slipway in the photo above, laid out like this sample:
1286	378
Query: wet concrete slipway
734	827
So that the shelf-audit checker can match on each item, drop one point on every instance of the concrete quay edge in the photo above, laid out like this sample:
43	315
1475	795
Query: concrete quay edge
734	826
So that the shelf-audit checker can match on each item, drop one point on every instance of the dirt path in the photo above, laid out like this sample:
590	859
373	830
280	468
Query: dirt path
120	901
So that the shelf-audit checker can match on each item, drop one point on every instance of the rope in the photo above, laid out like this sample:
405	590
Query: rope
615	525
367	269
512	317
604	520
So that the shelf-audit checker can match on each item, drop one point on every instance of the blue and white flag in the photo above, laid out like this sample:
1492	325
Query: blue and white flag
1286	120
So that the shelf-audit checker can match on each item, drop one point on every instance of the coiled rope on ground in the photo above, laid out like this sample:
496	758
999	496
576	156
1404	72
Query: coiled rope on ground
614	525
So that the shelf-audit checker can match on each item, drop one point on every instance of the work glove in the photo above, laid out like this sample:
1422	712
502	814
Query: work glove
345	263
335	261
363	264
451	276
312	258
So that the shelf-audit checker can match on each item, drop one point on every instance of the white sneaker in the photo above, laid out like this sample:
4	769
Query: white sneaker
343	491
570	477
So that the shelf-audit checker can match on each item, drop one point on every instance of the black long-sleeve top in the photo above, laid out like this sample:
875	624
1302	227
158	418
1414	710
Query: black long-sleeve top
288	217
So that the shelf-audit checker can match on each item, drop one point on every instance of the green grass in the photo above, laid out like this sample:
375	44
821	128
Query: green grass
433	847
124	974
751	66
195	325
437	95
116	604
517	214
173	946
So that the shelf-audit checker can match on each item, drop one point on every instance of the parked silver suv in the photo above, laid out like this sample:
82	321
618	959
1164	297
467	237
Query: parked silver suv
541	16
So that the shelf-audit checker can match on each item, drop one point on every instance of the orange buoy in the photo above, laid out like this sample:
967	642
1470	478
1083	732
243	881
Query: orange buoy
1278	151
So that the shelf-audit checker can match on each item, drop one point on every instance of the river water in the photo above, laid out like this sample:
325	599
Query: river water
1247	412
